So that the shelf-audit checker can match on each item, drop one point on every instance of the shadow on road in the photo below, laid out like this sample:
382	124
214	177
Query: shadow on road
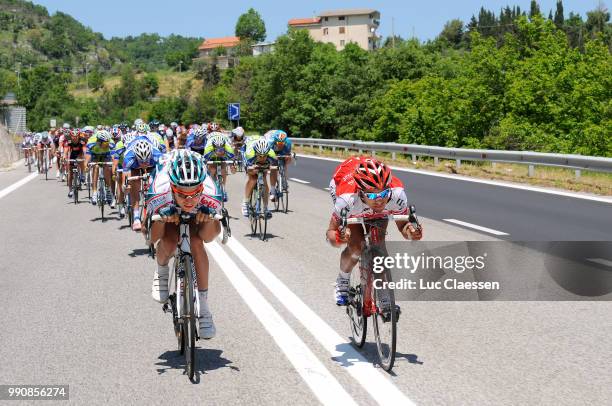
138	252
206	360
370	353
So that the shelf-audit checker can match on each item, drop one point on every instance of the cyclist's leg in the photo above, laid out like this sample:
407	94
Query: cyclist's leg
352	251
205	232
166	235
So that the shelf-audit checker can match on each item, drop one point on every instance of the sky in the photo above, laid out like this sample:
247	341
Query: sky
208	19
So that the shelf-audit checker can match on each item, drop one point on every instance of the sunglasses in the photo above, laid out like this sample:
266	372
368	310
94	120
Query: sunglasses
188	195
380	195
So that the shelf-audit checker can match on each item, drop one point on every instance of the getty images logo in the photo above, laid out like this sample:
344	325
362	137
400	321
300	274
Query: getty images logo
412	263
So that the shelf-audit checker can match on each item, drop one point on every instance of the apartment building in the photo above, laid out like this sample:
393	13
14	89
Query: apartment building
340	27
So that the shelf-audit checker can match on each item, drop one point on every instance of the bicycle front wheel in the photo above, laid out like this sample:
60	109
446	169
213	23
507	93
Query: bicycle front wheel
354	309
253	213
263	217
190	316
385	321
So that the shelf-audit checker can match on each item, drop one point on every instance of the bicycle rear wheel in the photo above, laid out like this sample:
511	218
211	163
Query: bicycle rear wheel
277	198
75	187
354	310
385	321
189	321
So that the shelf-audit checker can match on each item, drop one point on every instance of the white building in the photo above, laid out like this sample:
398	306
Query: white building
340	27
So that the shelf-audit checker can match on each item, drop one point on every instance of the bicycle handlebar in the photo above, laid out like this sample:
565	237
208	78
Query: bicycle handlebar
185	216
145	176
100	163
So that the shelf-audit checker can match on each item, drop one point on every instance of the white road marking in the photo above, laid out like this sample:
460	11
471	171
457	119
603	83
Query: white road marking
17	185
322	383
382	390
299	180
476	227
326	188
601	261
594	198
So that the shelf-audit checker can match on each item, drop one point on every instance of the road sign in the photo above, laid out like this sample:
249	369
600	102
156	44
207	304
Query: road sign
233	111
53	123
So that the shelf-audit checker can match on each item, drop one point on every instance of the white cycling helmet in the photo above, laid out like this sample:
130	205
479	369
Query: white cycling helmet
169	133
127	138
261	147
141	128
66	126
138	121
142	149
186	169
103	136
238	132
199	132
217	140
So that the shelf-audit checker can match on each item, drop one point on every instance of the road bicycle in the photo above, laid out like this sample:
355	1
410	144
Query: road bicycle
28	158
76	178
141	205
257	205
281	200
227	231
184	302
102	193
44	161
365	300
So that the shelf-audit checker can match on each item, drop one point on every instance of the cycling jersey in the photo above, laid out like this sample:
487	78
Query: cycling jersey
160	193
210	154
192	145
129	156
97	150
345	193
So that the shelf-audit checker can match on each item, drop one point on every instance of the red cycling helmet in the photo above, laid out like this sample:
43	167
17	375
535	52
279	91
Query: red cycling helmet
372	175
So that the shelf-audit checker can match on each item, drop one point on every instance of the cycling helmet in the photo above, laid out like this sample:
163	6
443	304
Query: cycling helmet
372	175
138	121
199	133
217	140
103	136
142	150
141	128
99	127
173	124
238	132
162	127
169	133
66	126
88	130
186	169
153	123
261	147
44	136
279	136
214	126
127	138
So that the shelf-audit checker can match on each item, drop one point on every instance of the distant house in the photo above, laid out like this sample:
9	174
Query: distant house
223	49
263	48
340	27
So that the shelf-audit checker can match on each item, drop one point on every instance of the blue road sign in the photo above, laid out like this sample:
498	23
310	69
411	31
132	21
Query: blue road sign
233	111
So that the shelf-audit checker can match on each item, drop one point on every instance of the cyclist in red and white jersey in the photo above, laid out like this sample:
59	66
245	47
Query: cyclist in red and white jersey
362	187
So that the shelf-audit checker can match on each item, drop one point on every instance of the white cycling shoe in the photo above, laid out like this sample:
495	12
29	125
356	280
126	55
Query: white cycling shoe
207	326
159	289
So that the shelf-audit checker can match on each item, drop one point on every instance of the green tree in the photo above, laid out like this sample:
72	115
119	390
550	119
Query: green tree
534	9
559	18
95	80
251	25
149	85
453	32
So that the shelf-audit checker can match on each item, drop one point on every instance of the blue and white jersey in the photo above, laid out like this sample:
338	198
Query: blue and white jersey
129	157
193	145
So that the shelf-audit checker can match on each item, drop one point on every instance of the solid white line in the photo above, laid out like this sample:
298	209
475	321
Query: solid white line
299	181
326	188
601	261
476	227
17	185
321	382
382	390
601	199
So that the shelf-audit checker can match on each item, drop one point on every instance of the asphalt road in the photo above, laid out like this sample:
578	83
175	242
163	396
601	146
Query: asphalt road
77	310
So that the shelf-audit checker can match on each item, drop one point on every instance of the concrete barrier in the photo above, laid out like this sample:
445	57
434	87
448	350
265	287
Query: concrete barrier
8	152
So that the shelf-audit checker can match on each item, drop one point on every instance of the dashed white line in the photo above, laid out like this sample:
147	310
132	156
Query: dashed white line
382	390
476	227
322	383
299	180
601	261
17	185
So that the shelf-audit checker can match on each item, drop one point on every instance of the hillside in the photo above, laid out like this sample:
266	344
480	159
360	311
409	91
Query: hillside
30	36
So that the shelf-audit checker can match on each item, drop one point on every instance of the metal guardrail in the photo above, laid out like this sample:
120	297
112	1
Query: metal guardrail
577	162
